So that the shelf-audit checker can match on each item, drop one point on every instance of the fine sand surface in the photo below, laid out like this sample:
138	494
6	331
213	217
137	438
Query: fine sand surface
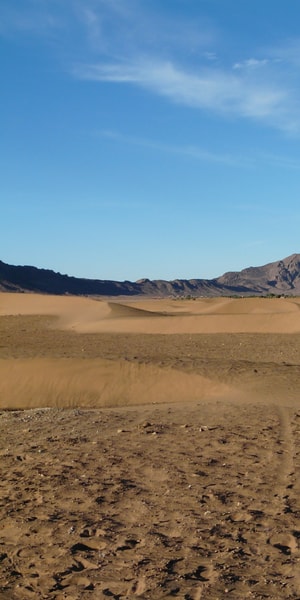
149	449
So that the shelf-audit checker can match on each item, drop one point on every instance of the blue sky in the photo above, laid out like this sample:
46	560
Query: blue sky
149	138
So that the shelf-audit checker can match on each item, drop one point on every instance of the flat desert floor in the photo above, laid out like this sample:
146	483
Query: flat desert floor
149	449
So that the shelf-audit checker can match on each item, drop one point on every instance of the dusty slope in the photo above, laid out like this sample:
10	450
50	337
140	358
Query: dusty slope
67	383
197	498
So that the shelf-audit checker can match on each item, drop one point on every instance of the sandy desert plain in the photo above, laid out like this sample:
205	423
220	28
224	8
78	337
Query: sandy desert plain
150	448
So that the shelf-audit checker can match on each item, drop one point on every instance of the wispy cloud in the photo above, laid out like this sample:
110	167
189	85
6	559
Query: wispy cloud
254	244
204	88
251	63
250	160
180	59
34	18
129	29
286	53
283	162
189	151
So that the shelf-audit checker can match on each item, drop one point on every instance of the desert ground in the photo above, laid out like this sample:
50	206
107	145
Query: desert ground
150	448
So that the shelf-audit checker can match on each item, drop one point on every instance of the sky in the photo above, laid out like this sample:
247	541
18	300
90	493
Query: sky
149	138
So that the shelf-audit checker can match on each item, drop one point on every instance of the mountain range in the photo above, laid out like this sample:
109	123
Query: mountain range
279	278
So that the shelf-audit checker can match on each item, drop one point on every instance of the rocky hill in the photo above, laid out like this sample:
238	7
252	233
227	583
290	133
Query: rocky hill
280	277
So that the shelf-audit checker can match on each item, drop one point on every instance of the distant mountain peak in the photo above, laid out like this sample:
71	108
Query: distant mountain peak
281	277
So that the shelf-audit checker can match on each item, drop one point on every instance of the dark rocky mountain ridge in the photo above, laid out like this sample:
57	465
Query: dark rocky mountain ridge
280	278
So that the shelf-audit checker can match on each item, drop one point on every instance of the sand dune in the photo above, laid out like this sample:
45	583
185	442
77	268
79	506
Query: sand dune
252	315
66	383
130	311
238	306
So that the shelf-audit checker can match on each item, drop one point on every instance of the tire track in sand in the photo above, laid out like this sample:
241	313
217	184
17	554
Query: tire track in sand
286	469
283	539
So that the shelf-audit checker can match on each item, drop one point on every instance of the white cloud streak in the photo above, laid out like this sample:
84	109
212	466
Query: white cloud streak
33	19
126	29
179	59
252	63
250	161
282	162
182	61
189	151
209	89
